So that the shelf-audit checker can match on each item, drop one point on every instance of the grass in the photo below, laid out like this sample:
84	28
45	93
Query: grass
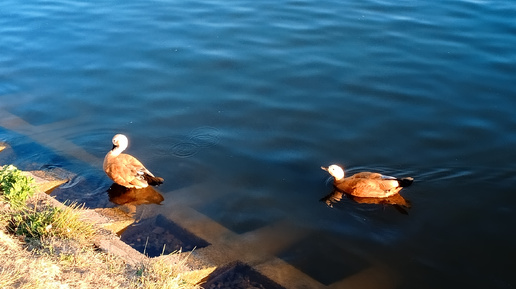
159	274
38	220
48	221
54	263
42	246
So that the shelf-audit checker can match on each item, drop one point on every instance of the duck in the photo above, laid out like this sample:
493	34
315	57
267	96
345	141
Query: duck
367	184
126	170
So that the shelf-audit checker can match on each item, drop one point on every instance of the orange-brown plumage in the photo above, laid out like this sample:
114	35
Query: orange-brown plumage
367	184
125	169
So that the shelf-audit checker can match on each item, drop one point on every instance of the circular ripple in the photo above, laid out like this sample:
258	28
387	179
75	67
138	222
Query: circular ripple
185	149
205	136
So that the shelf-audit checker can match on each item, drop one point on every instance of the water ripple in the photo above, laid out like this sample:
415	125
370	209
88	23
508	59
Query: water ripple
200	138
205	136
184	149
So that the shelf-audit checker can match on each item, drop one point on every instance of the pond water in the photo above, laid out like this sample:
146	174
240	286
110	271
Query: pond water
247	99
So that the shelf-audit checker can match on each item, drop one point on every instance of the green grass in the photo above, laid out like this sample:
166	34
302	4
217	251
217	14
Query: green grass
16	188
49	221
40	221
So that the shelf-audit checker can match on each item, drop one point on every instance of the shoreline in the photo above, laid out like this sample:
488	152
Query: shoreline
107	222
214	267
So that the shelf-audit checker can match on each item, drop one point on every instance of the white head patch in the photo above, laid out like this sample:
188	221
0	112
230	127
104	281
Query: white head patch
121	142
336	171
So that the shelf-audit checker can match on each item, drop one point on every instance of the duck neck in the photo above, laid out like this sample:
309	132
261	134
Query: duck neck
116	151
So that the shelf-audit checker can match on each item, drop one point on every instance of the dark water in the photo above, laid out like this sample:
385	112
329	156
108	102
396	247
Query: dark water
247	99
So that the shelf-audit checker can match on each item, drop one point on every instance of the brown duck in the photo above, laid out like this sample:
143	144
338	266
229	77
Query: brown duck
125	169
367	184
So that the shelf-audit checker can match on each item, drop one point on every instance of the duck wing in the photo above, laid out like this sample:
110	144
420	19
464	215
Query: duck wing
385	183
368	185
125	170
142	174
372	176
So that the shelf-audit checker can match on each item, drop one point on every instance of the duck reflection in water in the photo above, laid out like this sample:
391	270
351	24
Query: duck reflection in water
397	201
121	195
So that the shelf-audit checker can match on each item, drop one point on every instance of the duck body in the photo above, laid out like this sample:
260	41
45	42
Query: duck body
125	169
367	184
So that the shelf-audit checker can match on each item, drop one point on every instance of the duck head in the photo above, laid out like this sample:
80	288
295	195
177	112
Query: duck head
120	143
336	171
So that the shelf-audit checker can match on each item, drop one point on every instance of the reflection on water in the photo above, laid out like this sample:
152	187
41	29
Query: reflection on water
130	198
397	201
121	195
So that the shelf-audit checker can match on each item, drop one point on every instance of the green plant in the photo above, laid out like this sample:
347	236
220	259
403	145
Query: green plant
16	187
33	224
51	221
67	223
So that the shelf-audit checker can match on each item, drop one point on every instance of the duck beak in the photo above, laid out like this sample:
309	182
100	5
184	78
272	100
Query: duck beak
324	169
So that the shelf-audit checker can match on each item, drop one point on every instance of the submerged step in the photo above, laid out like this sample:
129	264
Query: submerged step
158	236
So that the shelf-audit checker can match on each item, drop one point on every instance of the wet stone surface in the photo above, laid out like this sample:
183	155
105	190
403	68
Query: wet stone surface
238	276
159	236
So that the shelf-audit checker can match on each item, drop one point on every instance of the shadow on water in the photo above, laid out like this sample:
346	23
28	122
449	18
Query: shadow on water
158	236
153	235
237	275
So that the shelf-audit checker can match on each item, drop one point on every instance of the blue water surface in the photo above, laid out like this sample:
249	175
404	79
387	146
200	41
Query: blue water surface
250	98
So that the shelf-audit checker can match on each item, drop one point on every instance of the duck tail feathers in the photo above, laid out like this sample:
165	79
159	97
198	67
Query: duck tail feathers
152	180
405	182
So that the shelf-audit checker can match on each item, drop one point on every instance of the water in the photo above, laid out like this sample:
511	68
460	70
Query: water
247	99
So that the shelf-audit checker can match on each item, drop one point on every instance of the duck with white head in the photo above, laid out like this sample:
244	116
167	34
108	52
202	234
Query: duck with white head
125	169
367	184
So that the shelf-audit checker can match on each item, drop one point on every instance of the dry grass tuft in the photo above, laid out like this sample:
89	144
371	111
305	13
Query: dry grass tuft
157	274
59	264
